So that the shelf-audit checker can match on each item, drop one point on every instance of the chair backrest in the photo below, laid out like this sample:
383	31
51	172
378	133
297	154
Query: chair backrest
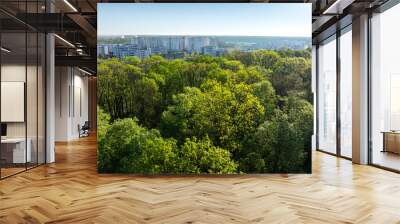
86	125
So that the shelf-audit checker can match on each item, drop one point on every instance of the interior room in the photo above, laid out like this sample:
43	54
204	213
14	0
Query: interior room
385	89
48	151
46	83
338	87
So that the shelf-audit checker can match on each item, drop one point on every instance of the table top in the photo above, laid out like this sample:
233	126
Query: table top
13	140
391	132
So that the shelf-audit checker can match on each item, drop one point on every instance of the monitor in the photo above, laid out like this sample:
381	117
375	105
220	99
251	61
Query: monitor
3	129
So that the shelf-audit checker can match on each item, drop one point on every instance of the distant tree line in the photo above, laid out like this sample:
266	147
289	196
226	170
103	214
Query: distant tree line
246	112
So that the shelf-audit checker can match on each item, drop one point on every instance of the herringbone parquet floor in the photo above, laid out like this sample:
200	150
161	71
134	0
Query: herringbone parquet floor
70	191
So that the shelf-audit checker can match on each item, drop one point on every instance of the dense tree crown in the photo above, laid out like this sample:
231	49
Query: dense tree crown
245	112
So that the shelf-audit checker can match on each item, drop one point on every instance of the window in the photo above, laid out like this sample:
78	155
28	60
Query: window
385	89
346	93
327	96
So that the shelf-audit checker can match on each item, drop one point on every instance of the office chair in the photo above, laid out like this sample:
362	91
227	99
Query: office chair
84	130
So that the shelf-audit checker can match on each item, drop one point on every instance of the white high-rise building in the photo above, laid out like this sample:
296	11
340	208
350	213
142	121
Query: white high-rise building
176	43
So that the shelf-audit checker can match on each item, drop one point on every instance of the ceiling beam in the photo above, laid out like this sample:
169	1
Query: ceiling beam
77	61
338	6
86	27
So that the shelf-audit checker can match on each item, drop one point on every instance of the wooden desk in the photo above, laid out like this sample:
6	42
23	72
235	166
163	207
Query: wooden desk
13	150
391	141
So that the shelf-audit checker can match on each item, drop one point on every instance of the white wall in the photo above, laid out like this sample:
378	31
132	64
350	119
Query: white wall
62	82
71	87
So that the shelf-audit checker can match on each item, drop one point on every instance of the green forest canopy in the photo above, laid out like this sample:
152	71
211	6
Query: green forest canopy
245	112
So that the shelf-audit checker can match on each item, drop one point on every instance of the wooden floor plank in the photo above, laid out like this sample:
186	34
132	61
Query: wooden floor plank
71	191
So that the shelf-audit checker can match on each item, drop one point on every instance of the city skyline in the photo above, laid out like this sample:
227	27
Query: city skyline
181	46
202	19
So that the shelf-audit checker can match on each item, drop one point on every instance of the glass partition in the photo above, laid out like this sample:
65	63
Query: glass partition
14	153
31	98
327	96
22	77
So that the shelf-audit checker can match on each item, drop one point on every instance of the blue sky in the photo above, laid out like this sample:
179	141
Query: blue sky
254	19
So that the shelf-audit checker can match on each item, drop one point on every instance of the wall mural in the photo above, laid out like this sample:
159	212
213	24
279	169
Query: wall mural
204	88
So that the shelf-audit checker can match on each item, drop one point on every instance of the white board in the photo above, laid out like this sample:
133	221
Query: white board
12	101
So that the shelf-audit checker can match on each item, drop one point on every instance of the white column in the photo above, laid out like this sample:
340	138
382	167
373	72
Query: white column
50	99
360	90
63	100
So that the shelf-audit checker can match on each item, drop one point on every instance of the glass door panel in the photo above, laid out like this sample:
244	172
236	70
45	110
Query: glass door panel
31	98
14	153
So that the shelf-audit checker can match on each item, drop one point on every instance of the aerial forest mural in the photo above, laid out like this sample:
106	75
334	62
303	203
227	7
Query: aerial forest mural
187	88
